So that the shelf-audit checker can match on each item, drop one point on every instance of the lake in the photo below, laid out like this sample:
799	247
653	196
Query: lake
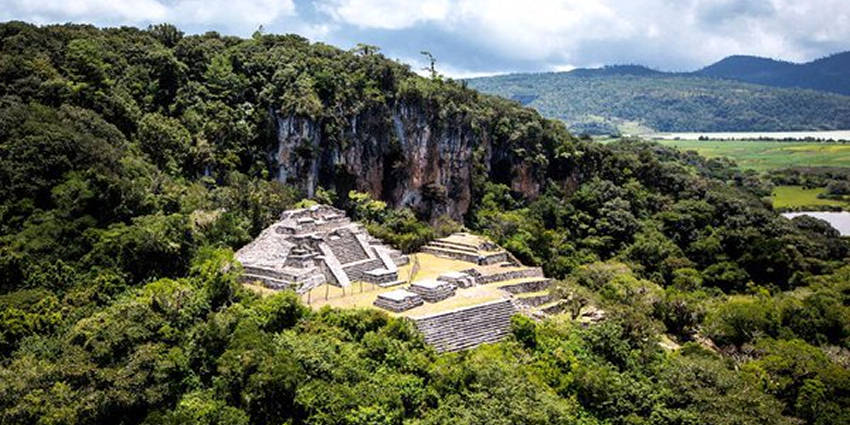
737	135
839	220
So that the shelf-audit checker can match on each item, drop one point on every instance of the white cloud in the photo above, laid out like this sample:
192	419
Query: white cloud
241	17
143	10
243	12
681	33
562	68
386	14
474	36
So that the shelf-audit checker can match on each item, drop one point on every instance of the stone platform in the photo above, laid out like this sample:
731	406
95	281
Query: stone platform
467	247
398	300
433	290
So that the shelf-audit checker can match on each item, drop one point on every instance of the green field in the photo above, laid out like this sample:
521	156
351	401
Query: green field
800	197
764	155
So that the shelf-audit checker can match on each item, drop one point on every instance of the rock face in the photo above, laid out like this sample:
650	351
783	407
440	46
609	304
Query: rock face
401	155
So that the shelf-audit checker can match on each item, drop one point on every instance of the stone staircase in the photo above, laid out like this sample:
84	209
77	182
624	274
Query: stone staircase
455	247
450	253
467	327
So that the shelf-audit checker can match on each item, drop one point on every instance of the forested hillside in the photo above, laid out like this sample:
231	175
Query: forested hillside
133	162
602	101
829	74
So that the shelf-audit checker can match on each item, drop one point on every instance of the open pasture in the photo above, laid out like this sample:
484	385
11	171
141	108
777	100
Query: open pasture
770	155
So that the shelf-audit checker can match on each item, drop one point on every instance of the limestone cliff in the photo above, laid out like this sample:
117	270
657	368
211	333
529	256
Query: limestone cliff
405	155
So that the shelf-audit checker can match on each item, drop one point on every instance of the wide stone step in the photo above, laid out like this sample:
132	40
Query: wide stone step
261	271
450	253
440	325
456	244
468	327
456	247
391	284
334	267
462	344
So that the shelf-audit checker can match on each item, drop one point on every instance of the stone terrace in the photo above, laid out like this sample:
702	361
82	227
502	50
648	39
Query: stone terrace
467	247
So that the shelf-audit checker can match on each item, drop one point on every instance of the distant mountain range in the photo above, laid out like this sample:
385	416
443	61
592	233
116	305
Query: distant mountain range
830	74
738	93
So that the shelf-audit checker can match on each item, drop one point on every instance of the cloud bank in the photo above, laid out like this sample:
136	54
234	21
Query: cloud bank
475	37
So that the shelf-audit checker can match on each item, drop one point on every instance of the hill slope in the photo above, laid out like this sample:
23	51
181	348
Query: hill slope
602	100
829	74
132	162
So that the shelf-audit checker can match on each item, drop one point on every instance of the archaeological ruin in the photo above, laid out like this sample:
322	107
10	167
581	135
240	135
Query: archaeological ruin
460	290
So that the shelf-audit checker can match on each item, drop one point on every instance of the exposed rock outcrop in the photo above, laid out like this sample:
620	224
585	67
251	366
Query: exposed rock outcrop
402	155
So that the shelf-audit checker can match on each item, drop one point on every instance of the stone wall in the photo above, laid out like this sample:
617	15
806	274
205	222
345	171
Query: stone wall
456	255
357	270
509	275
532	286
494	258
534	301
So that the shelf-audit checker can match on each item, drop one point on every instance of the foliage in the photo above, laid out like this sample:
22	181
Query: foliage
133	162
599	101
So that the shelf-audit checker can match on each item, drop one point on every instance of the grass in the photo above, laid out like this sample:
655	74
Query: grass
800	197
431	266
353	298
770	155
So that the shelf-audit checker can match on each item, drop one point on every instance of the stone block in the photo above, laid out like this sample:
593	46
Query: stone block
433	290
398	300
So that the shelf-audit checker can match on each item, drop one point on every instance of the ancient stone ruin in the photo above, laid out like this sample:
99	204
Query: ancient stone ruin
312	246
463	303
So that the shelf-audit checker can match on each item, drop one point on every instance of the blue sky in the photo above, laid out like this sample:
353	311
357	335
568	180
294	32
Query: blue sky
482	37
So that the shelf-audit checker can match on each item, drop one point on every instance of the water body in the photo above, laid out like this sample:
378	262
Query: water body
779	135
839	220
